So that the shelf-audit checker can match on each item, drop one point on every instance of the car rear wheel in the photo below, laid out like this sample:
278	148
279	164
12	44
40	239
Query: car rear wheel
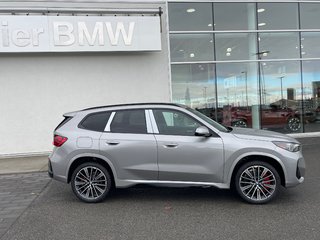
240	123
294	124
91	182
257	182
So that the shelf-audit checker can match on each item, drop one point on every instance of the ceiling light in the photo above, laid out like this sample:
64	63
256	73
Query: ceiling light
261	24
259	39
301	46
191	55
260	10
229	49
302	39
181	50
264	64
265	54
210	25
191	10
211	40
303	53
228	54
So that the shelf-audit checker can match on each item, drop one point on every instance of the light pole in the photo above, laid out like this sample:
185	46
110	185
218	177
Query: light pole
246	79
281	78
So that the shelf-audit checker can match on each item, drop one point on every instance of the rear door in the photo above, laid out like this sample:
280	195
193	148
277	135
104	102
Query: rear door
129	143
182	156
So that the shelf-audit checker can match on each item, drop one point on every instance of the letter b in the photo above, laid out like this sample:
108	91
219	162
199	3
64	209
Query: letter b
63	34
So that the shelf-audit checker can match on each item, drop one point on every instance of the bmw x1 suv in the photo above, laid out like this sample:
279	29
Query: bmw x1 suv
119	146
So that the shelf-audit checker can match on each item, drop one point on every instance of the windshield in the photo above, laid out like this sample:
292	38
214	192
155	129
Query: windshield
208	120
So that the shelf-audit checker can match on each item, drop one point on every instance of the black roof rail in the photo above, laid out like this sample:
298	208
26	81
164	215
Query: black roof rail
133	104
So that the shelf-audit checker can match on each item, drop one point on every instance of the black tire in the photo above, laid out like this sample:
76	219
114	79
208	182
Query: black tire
264	188
91	182
240	123
294	124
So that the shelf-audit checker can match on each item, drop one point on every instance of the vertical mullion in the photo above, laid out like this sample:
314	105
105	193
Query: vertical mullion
215	65
301	74
259	68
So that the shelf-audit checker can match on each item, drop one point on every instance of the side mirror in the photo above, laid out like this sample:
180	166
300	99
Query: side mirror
202	132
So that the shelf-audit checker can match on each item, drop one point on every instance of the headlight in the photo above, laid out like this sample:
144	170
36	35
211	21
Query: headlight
291	147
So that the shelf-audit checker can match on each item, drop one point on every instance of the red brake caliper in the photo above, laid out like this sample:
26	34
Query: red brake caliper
266	181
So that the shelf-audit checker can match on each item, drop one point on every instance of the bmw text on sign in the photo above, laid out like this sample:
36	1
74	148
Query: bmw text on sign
79	33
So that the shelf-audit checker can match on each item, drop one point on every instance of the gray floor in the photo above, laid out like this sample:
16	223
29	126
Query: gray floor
17	191
166	213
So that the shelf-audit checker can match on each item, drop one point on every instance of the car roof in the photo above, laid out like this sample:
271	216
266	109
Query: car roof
135	104
107	107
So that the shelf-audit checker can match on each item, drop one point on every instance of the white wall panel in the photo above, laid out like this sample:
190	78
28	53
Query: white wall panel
36	89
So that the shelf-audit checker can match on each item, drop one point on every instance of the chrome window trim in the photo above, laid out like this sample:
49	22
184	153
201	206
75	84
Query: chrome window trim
107	128
148	121
153	122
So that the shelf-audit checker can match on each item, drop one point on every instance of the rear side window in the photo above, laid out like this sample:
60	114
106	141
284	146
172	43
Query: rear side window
129	121
95	121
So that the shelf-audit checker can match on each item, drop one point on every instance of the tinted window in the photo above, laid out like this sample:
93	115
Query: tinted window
129	121
96	121
171	122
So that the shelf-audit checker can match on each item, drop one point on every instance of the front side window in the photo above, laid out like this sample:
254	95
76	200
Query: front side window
129	121
171	122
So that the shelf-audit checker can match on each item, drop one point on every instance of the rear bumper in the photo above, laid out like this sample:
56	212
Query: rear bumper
50	171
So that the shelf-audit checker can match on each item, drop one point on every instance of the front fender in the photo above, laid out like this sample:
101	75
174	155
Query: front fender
257	153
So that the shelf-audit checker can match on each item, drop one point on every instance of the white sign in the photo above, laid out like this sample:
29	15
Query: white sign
79	33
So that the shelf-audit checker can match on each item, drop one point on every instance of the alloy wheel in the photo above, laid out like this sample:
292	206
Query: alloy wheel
90	183
240	123
294	124
257	183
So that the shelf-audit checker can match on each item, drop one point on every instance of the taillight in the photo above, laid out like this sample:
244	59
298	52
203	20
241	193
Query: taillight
58	141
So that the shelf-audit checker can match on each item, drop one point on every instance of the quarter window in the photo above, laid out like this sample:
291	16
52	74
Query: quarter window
96	121
171	122
129	121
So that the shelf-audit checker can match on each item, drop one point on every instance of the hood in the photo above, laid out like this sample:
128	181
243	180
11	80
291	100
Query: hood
263	135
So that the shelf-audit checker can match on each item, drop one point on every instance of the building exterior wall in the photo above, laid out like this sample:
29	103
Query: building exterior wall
37	88
237	69
248	63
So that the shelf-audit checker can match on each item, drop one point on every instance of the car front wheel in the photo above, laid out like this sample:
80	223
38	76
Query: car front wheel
240	123
257	182
294	124
91	182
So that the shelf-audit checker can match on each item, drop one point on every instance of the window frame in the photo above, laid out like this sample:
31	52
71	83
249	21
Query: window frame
113	114
89	115
155	124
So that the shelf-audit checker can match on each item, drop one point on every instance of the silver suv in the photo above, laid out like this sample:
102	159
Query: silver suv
119	146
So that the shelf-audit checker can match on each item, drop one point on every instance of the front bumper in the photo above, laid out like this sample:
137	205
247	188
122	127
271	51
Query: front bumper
299	174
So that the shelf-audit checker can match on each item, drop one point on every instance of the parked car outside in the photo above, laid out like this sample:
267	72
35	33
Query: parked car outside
119	146
272	117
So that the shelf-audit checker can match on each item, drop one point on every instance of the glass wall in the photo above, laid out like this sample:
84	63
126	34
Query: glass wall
248	64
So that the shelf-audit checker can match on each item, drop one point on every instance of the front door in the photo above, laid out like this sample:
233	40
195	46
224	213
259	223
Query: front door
182	156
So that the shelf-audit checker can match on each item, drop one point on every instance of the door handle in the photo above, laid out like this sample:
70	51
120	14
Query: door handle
111	142
171	145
